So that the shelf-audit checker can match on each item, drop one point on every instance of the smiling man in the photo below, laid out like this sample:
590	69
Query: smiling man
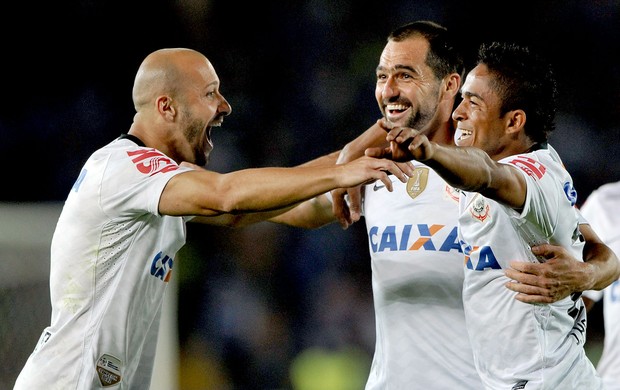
514	194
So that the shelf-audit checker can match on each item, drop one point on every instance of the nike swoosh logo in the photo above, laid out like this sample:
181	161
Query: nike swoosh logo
378	187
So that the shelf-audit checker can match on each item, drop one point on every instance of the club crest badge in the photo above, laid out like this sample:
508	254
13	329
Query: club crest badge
417	182
109	370
479	209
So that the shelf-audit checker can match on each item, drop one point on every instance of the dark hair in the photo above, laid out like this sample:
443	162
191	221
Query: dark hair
523	80
443	57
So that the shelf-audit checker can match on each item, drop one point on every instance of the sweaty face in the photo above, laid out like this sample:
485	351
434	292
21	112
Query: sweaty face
407	91
478	115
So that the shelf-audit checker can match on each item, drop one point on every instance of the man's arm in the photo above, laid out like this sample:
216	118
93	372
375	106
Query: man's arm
207	193
562	274
350	212
311	214
467	168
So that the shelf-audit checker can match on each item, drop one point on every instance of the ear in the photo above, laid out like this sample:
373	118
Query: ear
165	107
452	85
515	121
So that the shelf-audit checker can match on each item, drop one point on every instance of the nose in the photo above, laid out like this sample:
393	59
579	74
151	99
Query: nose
224	107
458	113
389	89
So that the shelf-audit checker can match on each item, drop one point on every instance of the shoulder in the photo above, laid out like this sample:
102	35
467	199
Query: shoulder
145	161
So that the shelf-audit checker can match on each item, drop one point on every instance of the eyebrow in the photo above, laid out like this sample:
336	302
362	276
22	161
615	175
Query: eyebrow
397	67
471	94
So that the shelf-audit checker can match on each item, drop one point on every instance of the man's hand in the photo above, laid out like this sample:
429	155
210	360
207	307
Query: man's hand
347	213
551	281
405	144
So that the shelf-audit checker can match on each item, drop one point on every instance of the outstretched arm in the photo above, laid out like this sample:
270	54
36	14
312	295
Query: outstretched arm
562	274
466	168
207	193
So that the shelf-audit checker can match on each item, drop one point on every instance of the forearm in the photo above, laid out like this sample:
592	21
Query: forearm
374	136
311	214
328	159
243	191
603	266
239	220
469	169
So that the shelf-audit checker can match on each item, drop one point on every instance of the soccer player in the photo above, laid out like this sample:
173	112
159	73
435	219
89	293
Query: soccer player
113	250
514	193
416	260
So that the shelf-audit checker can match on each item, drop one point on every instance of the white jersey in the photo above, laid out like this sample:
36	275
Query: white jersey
518	345
111	258
601	210
417	280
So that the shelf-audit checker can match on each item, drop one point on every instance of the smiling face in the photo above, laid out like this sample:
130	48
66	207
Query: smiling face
407	91
479	123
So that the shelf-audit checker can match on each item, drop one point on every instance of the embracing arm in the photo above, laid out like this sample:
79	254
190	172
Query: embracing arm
562	274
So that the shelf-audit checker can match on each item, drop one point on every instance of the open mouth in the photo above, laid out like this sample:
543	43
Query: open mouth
209	129
209	140
395	112
462	134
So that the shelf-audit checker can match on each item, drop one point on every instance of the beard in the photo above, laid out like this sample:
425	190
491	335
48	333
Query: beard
194	134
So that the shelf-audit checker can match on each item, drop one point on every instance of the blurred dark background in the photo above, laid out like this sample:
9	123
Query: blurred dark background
300	78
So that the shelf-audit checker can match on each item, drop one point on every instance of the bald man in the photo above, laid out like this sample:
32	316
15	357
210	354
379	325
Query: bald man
113	250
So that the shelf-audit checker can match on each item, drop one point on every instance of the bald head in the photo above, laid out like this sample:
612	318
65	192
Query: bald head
166	71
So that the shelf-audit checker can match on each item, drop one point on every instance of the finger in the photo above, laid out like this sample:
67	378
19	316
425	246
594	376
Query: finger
530	294
355	203
523	267
547	251
378	152
393	134
407	167
385	124
397	170
340	208
522	277
386	181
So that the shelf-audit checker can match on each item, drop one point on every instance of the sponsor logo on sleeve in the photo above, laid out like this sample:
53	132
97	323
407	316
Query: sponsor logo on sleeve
530	166
161	267
151	161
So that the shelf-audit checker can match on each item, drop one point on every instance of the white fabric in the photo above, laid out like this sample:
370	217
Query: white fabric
417	279
601	209
111	258
518	345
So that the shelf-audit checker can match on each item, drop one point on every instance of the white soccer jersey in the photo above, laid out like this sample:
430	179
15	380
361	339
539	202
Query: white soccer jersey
518	345
111	258
601	211
417	280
